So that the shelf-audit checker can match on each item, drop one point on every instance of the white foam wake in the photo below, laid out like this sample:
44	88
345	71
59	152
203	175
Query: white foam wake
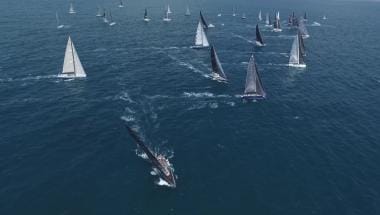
243	38
203	95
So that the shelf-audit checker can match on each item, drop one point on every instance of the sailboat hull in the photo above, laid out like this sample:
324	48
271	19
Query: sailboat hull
277	30
297	65
252	96
146	20
257	43
69	75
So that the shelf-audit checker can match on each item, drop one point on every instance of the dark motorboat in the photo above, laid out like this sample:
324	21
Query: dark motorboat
158	161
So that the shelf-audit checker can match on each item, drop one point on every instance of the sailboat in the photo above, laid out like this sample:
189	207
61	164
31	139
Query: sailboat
71	10
121	5
187	11
324	17
277	26
59	26
302	29
296	57
160	163
267	20
243	16
166	17
278	15
200	37
202	19
169	11
105	20
260	17
233	11
304	17
253	86
146	18
112	23
259	38
99	13
217	69
220	13
72	67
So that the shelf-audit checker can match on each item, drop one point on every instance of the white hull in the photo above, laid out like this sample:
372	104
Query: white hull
60	26
147	20
199	47
219	15
167	20
121	6
277	30
68	75
305	36
112	23
72	12
252	96
257	43
211	26
98	15
297	65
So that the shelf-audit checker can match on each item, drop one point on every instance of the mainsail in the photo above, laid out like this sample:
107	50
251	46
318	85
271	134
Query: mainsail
259	38
267	21
71	10
302	45
72	67
216	66
204	23
168	10
260	17
253	85
296	58
200	37
99	13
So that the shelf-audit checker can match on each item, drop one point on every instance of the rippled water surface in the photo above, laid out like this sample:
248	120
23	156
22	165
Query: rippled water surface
312	147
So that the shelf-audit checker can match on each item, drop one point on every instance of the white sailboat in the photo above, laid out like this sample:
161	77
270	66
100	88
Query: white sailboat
260	17
200	37
243	16
168	10
253	86
71	10
99	13
267	20
59	26
233	11
296	57
72	67
105	20
166	17
324	17
187	11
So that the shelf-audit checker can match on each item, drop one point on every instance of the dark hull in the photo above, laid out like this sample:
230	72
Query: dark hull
170	178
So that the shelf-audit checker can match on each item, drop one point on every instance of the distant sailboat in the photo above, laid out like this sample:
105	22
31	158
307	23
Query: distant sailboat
277	26
259	38
233	11
302	44
243	16
324	17
304	16
220	13
72	67
59	26
105	20
166	17
217	69
187	11
296	57
112	23
278	15
267	20
121	5
146	18
168	10
253	86
99	13
71	10
200	37
260	17
302	29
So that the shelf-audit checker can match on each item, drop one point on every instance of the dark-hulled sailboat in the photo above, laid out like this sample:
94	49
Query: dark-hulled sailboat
146	18
296	57
253	86
217	69
203	21
259	38
302	44
159	162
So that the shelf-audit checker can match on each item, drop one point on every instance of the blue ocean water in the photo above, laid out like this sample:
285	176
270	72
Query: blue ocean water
312	147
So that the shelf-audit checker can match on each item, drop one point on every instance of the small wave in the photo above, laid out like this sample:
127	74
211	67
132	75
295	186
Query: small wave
154	173
39	77
100	50
243	38
125	97
141	154
128	118
162	182
203	95
232	104
129	110
213	105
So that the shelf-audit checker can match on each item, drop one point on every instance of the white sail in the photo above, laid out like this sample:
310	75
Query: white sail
260	17
302	29
278	15
72	67
296	59
187	11
200	37
267	19
71	10
169	11
59	26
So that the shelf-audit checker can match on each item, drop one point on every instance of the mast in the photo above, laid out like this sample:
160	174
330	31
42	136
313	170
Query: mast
72	54
216	66
204	23
146	14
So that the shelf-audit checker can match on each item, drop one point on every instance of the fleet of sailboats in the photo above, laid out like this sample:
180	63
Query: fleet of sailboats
72	67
